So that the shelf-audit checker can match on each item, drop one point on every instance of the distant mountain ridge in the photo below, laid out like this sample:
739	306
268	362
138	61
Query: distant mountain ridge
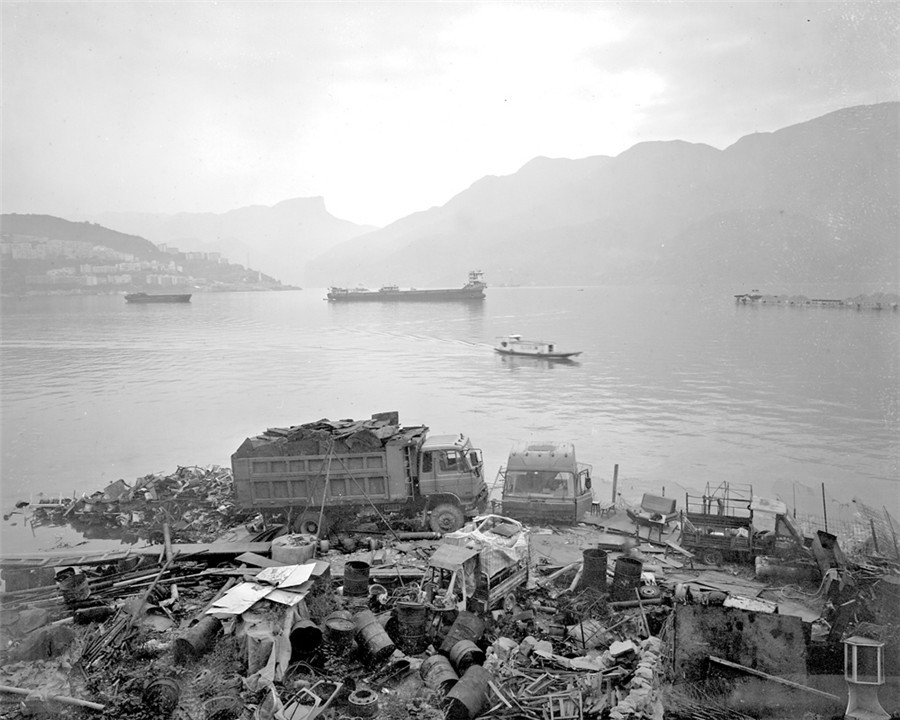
278	240
813	202
56	228
44	254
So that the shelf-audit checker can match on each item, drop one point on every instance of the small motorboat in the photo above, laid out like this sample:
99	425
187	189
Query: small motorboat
515	345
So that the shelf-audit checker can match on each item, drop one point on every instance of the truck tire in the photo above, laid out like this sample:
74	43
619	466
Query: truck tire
446	518
309	524
712	557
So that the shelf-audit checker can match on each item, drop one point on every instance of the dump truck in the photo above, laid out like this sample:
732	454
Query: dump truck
543	482
480	567
324	474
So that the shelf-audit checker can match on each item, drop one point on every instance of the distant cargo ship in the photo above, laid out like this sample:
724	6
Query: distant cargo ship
142	297
472	290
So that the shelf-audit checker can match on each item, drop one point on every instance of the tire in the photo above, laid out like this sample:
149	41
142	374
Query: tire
309	524
446	518
712	557
509	602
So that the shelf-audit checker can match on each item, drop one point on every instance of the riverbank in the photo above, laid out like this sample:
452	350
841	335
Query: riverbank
586	635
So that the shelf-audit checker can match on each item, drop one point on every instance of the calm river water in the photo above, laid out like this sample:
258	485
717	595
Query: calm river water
680	390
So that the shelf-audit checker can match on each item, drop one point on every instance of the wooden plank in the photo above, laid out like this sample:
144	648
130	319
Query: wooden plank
249	558
774	678
677	548
79	557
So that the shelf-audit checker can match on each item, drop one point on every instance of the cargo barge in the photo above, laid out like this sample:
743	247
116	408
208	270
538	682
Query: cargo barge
472	290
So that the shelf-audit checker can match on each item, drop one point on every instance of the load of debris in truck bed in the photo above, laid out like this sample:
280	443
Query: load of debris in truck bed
323	437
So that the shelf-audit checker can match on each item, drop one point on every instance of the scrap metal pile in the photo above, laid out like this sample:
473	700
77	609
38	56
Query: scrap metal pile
196	502
496	620
277	635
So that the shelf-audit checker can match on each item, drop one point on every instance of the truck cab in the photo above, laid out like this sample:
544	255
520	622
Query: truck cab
451	477
542	481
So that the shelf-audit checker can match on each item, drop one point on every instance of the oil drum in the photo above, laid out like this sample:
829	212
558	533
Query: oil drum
411	624
626	578
356	578
465	654
438	674
593	574
469	696
467	626
372	637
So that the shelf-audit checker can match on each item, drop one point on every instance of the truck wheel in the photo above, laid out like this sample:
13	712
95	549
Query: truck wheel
712	557
509	602
309	524
446	518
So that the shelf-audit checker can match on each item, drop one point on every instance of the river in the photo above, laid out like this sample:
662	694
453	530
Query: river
679	389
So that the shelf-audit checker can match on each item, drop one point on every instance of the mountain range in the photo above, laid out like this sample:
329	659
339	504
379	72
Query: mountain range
277	240
813	202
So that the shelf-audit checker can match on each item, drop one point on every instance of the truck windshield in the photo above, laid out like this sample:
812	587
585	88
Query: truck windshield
547	483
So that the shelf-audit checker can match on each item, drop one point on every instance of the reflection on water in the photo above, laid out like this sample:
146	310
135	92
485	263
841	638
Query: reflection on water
678	390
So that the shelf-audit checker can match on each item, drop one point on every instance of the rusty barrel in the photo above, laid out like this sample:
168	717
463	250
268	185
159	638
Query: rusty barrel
411	624
73	586
197	640
465	654
356	578
161	696
372	637
467	626
438	674
593	574
340	629
626	578
305	638
468	697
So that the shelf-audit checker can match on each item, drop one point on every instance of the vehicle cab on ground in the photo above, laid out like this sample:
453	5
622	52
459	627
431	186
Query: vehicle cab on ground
542	481
479	567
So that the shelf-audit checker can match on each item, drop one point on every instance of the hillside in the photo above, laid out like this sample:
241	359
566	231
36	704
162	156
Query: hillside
277	240
42	254
814	202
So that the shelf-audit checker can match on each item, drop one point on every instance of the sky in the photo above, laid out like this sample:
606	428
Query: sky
389	108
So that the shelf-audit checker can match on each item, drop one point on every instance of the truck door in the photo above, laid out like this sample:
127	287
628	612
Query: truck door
445	471
583	495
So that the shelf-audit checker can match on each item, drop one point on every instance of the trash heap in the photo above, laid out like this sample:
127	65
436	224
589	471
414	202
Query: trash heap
496	620
196	502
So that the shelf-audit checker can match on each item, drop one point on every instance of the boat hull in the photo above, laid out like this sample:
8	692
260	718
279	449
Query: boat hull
139	298
470	295
539	355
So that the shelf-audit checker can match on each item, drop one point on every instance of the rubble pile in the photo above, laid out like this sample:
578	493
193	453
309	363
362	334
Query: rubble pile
497	620
196	502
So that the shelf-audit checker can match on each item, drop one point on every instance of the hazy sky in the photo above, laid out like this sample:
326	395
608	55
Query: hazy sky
390	108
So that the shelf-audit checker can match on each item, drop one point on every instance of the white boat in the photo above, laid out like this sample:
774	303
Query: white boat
515	345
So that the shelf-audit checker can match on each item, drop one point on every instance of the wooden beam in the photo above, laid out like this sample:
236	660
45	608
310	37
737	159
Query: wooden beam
773	678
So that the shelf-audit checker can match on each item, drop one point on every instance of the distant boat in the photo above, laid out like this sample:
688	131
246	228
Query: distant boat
750	297
472	290
143	297
515	345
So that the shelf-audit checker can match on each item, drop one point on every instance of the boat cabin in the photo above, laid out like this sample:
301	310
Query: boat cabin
515	343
